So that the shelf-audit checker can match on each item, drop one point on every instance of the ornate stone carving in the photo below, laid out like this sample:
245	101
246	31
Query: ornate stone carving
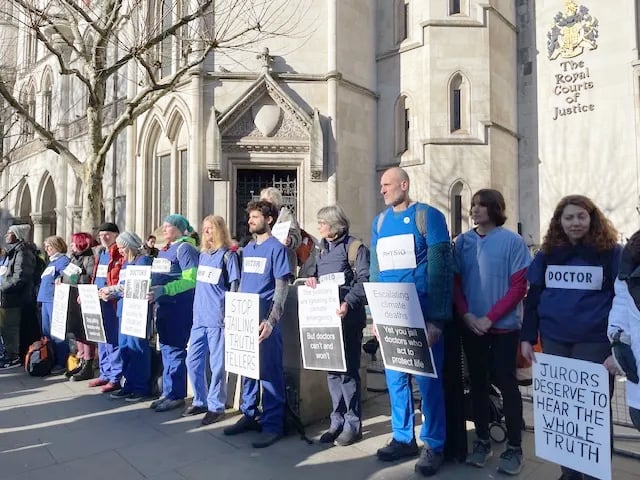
270	147
214	174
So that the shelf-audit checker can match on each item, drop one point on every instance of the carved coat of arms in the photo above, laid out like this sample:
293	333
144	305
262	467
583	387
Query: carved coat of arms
573	30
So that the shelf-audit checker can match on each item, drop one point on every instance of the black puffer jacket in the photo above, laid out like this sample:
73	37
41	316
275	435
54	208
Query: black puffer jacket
16	287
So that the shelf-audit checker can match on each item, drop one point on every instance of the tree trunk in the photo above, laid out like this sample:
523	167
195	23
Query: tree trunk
92	211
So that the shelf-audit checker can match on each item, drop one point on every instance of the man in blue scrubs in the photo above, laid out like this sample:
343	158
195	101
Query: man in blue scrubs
410	243
265	271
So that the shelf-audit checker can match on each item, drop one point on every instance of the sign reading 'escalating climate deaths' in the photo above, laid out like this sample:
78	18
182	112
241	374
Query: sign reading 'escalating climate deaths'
241	320
571	414
397	315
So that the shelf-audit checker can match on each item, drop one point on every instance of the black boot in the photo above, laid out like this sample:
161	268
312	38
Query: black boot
85	373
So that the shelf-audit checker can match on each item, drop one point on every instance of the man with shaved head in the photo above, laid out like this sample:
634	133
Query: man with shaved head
410	243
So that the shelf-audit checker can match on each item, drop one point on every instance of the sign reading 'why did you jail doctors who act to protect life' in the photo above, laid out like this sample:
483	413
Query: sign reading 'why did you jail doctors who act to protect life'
397	315
571	414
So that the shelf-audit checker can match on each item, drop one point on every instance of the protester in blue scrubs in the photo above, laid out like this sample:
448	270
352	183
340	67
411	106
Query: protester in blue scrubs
108	274
265	271
218	273
56	249
135	351
173	276
410	243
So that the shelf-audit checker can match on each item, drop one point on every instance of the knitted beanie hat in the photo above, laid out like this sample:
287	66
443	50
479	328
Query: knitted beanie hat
20	231
180	222
129	240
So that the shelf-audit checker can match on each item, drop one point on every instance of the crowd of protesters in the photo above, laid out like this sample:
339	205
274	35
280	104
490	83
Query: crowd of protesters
502	301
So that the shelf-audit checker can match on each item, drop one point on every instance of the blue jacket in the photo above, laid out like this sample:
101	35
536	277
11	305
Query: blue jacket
570	295
47	282
334	258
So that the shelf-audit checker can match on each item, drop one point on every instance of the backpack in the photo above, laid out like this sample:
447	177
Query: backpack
352	252
421	219
39	268
303	252
38	361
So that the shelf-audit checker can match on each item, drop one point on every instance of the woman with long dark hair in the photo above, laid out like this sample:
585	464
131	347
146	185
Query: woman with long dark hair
572	287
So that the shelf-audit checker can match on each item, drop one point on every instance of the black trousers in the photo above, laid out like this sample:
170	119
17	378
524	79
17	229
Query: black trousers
491	358
344	388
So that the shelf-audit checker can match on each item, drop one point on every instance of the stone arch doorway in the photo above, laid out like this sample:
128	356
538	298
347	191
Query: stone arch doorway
24	206
249	182
44	222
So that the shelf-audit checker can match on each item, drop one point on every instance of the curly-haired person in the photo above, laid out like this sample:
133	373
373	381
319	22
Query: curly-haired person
572	287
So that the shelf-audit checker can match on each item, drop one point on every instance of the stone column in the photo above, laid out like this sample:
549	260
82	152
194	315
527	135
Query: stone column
196	165
40	228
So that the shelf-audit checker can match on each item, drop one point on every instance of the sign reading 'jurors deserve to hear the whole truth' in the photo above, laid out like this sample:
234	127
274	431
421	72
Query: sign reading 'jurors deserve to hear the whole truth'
321	328
397	315
571	414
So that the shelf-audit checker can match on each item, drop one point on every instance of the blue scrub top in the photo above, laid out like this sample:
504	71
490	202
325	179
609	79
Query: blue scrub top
262	265
213	281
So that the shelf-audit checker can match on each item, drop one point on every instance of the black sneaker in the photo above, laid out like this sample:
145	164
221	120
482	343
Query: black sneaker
194	410
429	462
396	450
6	363
135	397
347	437
511	461
245	424
571	475
266	439
212	417
480	454
329	436
119	394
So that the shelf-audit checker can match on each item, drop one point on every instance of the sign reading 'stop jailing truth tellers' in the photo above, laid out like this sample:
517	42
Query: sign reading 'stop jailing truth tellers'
397	315
241	320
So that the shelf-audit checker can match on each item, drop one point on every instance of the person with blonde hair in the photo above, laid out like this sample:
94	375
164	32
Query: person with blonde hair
56	248
218	273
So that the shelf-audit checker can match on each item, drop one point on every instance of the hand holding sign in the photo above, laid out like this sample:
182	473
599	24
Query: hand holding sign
264	329
571	414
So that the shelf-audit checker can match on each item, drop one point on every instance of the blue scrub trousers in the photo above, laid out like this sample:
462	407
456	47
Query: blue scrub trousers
433	430
136	364
174	372
202	342
61	347
109	353
173	322
272	380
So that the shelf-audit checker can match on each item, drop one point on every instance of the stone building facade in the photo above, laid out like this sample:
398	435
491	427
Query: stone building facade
460	92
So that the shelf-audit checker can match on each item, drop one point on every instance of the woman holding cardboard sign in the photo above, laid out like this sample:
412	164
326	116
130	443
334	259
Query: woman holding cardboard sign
571	287
343	260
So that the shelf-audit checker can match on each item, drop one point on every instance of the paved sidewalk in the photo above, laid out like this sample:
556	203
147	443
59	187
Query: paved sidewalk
57	430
